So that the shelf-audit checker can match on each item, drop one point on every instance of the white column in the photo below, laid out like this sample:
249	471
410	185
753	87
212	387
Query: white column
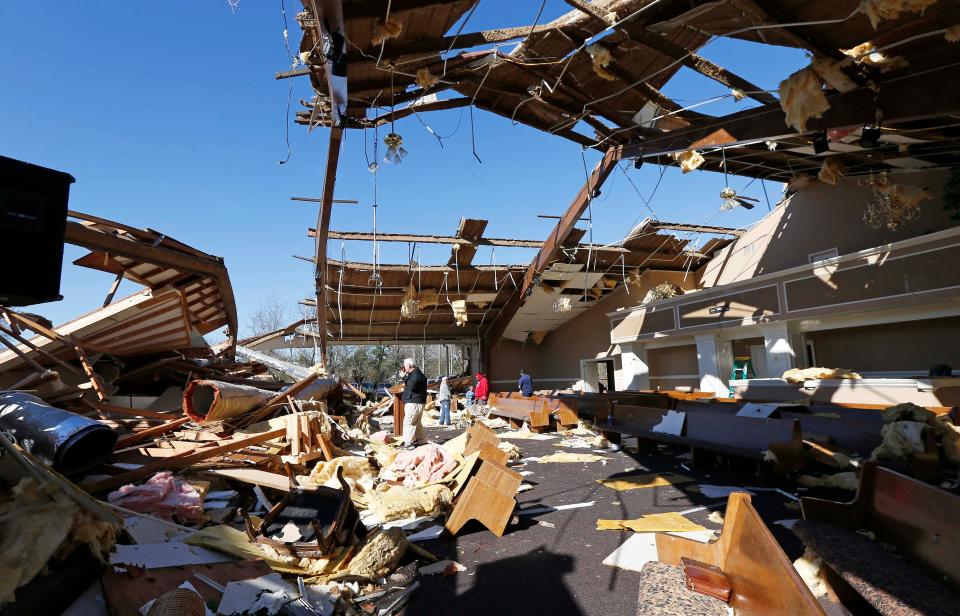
635	373
714	361
779	346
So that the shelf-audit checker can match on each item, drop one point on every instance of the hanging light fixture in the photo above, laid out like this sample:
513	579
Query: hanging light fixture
395	150
728	196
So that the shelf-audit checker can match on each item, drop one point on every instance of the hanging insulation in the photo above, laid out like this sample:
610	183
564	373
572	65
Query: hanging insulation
688	160
426	80
459	311
831	171
831	72
601	59
884	10
952	34
384	31
538	336
802	98
867	54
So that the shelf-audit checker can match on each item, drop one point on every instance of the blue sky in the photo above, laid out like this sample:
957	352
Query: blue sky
168	115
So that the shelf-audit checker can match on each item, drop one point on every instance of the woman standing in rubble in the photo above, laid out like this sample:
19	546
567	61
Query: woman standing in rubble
414	397
444	397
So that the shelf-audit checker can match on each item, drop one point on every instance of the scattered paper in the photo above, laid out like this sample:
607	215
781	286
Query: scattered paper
548	509
641	548
650	480
546	524
574	443
524	487
172	554
268	592
711	491
289	533
670	521
524	435
565	457
426	534
672	423
758	410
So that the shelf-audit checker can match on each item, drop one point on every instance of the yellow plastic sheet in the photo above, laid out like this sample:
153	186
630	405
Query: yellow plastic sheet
669	522
649	480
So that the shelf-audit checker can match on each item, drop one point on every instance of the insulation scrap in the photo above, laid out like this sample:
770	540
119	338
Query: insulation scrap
426	79
952	34
446	567
716	517
386	30
426	464
649	480
866	53
600	58
664	290
844	481
831	171
538	336
357	472
43	524
802	98
512	451
831	72
380	555
798	182
808	567
459	311
163	495
950	433
884	10
669	522
401	502
908	411
901	439
565	457
689	160
799	375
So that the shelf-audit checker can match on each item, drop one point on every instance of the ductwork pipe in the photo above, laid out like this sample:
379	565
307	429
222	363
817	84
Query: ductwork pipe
207	401
67	442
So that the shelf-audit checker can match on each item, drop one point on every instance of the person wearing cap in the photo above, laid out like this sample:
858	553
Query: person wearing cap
525	384
483	389
444	397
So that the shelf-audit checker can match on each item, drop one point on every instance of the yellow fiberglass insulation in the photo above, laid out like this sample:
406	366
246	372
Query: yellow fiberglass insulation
867	54
883	10
908	411
831	171
844	481
384	31
799	375
357	472
831	72
809	568
950	433
426	79
600	58
380	555
400	502
689	160
901	440
38	526
952	34
459	307
802	98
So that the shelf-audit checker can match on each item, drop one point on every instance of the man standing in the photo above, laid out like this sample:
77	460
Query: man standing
525	384
444	397
483	389
414	396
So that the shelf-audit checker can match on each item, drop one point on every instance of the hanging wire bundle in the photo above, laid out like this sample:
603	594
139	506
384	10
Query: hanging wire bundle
892	204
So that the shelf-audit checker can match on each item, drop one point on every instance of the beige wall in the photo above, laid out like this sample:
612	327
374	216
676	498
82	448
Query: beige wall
672	361
818	218
914	345
583	337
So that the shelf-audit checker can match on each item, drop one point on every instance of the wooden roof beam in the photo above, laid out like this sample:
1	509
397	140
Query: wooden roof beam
657	225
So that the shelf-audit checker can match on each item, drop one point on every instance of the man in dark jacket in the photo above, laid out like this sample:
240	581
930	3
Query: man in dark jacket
525	384
414	396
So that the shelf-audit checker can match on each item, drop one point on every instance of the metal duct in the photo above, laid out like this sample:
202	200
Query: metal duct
208	401
67	442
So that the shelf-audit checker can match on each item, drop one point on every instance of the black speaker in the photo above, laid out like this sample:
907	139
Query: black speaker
33	216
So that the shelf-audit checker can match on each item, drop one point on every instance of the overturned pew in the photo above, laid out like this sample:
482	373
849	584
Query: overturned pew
760	579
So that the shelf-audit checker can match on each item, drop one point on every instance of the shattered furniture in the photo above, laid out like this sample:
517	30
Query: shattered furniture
762	579
921	577
483	440
325	519
744	437
488	498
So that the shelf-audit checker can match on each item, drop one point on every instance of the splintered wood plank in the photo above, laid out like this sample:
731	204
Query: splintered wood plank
471	230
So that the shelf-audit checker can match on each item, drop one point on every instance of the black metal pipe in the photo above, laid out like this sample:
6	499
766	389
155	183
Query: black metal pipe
67	442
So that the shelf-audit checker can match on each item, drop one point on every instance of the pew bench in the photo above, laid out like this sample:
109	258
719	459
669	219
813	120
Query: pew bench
718	432
520	410
762	579
919	520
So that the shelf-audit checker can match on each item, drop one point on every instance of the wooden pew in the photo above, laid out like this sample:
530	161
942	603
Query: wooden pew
762	579
919	520
723	433
531	411
487	498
